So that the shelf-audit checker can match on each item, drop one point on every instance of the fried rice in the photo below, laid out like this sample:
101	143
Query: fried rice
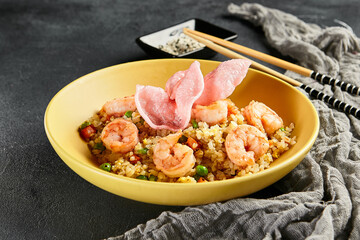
209	149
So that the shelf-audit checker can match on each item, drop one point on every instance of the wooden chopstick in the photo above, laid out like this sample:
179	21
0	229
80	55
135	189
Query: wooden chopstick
279	62
312	92
230	54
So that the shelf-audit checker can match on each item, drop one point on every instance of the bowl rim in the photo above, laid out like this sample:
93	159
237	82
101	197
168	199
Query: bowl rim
249	177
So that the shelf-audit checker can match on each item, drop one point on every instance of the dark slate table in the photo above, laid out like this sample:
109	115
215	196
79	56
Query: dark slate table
44	45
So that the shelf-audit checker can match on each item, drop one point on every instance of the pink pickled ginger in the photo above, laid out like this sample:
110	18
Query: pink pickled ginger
221	82
171	108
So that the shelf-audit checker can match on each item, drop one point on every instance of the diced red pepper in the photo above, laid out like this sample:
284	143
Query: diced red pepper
192	143
201	180
87	132
137	159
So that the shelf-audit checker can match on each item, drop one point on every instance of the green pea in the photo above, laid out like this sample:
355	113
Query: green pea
142	151
153	178
106	167
142	177
85	124
282	129
196	177
201	170
99	146
128	114
182	139
194	123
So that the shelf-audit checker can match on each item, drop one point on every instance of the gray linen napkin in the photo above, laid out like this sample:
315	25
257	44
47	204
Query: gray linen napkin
321	196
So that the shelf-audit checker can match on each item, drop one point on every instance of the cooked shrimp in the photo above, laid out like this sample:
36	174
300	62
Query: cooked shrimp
245	144
232	108
120	136
214	113
173	158
119	106
262	117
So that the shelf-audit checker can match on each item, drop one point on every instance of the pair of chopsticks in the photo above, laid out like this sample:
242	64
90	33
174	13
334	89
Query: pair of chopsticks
214	43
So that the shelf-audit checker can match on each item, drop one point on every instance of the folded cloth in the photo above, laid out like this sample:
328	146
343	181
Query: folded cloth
322	194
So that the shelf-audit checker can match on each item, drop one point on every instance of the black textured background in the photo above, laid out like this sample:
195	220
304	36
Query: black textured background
44	45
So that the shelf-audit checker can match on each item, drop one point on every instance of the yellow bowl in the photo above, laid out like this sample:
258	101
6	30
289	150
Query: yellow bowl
82	98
